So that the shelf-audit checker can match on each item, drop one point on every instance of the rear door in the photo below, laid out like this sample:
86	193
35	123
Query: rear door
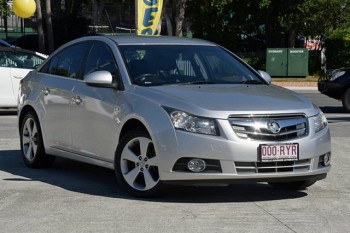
58	79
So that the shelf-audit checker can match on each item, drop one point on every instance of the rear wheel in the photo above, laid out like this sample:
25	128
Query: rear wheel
32	147
136	165
293	185
346	100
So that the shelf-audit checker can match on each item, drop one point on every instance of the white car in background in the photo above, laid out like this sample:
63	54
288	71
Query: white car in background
15	64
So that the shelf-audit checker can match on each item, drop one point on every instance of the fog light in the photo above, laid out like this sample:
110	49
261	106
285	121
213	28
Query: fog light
326	159
196	165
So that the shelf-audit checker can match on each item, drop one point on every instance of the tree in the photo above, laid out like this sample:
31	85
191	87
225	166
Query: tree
174	16
227	22
39	21
304	17
50	36
4	13
275	22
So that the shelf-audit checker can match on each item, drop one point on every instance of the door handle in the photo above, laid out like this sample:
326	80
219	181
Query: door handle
45	91
77	100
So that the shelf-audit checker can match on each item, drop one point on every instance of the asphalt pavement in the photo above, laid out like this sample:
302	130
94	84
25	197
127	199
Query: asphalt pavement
76	197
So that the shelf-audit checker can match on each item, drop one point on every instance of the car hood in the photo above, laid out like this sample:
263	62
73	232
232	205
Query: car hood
221	101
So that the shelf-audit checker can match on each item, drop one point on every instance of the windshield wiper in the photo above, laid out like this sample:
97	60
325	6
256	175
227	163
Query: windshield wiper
251	82
197	82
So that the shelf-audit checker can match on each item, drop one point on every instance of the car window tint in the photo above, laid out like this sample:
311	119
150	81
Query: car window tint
100	58
152	65
225	69
52	66
68	62
21	60
3	62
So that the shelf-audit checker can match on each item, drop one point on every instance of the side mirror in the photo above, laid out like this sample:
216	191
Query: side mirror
100	78
265	76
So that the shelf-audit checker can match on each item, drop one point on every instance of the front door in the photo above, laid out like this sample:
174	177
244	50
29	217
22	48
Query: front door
93	123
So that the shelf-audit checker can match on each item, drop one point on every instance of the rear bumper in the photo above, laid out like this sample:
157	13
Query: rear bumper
331	89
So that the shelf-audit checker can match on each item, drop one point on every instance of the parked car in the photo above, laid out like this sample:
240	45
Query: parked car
336	84
15	63
27	41
4	43
163	110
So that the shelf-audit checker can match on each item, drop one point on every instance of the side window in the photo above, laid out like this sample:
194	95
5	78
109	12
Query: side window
3	61
100	58
68	62
20	60
53	65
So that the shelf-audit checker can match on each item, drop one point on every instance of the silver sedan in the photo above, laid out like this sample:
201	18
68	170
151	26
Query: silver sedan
163	110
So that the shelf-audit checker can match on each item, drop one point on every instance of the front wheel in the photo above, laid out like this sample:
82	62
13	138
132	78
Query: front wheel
136	165
32	147
346	100
293	185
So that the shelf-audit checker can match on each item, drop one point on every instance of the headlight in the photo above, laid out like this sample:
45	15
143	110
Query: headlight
320	121
336	75
195	124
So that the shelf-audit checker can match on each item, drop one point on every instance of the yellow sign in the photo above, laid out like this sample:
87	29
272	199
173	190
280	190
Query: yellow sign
149	12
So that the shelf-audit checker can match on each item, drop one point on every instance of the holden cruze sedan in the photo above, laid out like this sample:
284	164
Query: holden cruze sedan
163	110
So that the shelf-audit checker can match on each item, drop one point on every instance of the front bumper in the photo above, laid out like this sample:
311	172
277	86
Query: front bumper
211	182
239	159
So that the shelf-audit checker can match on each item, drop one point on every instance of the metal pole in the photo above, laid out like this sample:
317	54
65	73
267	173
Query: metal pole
136	16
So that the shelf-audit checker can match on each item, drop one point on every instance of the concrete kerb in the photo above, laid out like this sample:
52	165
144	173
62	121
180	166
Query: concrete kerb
303	86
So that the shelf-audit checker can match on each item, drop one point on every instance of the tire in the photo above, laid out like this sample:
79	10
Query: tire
293	185
136	165
32	147
346	99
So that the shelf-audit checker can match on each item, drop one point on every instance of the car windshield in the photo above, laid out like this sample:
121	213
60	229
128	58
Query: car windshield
153	65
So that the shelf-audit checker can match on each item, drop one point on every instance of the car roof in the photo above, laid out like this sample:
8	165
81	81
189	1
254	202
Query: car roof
17	49
157	40
138	40
146	40
4	43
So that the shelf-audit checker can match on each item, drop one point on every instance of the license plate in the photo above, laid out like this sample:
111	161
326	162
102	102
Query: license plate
279	152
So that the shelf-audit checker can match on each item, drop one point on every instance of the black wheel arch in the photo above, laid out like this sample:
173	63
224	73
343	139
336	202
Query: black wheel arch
130	125
24	112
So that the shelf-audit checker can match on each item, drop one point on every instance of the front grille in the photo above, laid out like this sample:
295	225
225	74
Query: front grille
245	168
257	127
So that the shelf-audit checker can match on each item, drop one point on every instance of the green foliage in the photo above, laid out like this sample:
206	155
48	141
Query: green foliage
338	48
276	22
227	22
257	62
4	9
315	62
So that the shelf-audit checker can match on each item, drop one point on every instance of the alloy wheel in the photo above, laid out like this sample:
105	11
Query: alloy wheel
30	139
139	164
